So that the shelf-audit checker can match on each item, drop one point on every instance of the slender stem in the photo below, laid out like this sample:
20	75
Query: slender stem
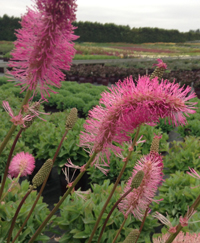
70	189
142	224
179	227
118	232
114	187
14	182
59	146
41	189
8	162
115	205
16	214
12	129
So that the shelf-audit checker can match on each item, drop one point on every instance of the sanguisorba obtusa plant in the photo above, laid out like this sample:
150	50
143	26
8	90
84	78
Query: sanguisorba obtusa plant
44	46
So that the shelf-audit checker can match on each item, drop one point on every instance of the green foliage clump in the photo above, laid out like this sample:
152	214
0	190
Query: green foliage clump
78	217
8	209
178	192
43	138
183	155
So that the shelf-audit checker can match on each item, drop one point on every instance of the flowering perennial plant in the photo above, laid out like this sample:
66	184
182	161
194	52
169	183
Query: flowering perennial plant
44	47
127	106
137	201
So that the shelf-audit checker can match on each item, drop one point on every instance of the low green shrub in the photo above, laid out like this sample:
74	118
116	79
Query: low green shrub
78	217
182	155
177	195
8	209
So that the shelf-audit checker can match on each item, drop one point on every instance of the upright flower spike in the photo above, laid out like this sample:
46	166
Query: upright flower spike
39	178
71	119
155	144
127	106
44	46
137	201
22	164
160	68
131	238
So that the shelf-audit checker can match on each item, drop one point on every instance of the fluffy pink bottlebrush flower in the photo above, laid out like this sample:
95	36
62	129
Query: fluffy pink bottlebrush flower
61	12
43	48
180	238
22	163
127	106
137	201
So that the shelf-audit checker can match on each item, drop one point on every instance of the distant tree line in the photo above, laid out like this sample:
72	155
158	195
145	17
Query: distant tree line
8	26
97	32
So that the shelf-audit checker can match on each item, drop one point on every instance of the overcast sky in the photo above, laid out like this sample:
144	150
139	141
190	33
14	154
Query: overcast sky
183	15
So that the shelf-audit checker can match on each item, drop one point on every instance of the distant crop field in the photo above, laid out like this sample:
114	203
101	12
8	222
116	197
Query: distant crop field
90	50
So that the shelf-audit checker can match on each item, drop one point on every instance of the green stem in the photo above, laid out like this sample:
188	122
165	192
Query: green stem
179	227
114	187
14	182
16	214
115	205
41	189
118	232
12	129
8	162
142	224
62	199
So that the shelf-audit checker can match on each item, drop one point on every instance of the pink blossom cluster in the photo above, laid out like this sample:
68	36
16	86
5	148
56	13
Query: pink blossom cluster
44	45
129	105
137	201
22	164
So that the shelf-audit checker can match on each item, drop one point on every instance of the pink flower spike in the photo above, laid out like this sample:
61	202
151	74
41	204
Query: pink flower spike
160	64
139	199
127	106
193	173
22	163
44	46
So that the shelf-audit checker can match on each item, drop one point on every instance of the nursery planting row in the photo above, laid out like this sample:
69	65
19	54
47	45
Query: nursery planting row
42	139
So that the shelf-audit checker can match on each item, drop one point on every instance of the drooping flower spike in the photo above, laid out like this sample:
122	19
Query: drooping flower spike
137	201
127	106
44	46
23	164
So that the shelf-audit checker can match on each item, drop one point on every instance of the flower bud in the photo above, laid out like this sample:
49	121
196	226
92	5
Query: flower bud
34	107
137	179
44	171
155	144
131	238
71	119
